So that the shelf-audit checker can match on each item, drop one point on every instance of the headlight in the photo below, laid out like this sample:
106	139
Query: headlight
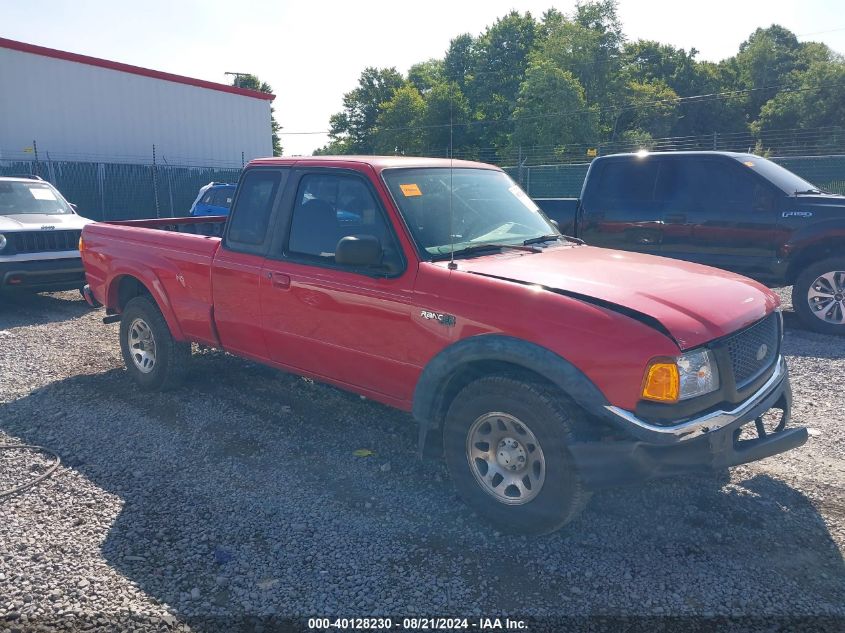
2	241
673	379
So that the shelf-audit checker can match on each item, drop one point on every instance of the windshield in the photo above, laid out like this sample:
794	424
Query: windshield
30	197
779	176
487	208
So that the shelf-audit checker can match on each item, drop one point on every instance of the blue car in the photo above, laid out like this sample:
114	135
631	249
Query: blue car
215	198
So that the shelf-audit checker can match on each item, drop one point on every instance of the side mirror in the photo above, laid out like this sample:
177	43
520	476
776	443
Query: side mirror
74	207
555	224
358	250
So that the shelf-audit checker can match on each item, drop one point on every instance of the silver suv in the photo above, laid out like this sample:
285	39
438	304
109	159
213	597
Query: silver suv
39	237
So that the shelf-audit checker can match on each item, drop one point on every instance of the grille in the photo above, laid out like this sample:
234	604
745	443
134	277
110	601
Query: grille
745	347
43	241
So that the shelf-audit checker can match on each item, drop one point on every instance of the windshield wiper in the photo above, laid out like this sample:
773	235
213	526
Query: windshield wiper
542	238
549	238
798	193
475	248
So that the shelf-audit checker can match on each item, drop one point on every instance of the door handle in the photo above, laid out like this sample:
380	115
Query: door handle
279	280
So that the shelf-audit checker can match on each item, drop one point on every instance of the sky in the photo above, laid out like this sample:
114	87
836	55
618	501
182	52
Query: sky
312	52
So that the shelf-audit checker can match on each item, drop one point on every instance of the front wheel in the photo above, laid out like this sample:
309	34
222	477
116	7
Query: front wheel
818	296
506	447
154	359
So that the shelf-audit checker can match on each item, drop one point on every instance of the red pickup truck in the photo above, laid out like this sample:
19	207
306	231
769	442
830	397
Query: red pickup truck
539	367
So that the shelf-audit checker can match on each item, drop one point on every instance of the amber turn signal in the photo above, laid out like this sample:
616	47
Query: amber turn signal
81	244
662	382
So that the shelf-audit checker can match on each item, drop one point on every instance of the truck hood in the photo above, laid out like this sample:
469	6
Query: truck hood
694	304
35	221
831	205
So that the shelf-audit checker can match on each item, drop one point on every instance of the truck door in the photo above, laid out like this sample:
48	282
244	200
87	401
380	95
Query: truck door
345	324
619	209
718	213
236	277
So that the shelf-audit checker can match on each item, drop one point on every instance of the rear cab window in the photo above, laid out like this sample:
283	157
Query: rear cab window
622	185
248	226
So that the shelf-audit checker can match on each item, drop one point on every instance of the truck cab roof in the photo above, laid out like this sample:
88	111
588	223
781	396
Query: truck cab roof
377	162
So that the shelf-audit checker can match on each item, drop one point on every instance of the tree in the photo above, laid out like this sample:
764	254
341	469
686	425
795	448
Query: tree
589	45
572	79
652	108
763	63
501	62
426	75
548	89
446	106
817	100
251	82
353	129
398	124
460	60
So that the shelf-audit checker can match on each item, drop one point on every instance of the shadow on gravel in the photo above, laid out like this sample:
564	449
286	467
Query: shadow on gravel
22	309
242	495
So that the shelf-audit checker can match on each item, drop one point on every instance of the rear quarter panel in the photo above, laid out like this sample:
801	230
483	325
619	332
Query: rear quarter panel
174	267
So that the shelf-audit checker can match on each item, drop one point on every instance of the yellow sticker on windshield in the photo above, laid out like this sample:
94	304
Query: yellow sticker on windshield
410	190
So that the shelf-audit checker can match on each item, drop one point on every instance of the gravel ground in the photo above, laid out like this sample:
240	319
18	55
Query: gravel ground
240	495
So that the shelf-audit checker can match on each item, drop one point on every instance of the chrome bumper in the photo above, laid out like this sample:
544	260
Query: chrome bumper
709	442
703	425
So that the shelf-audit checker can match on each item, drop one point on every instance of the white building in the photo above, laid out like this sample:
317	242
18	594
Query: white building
79	108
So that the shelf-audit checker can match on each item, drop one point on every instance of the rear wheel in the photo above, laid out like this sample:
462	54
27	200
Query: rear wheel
818	296
506	447
154	359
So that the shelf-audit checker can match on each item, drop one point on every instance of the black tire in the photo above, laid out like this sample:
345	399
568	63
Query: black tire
549	418
803	285
170	356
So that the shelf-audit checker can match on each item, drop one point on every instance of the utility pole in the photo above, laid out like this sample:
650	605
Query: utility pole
237	77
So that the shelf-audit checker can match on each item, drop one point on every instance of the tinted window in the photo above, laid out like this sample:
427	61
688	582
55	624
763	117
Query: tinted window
628	181
329	207
700	185
249	220
208	197
780	176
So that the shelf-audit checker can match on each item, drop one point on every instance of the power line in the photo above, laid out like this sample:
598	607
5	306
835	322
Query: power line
595	110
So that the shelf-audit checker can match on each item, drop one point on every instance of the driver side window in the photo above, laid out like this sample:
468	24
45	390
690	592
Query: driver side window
329	207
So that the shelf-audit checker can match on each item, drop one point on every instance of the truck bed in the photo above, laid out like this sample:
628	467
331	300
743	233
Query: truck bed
171	256
211	226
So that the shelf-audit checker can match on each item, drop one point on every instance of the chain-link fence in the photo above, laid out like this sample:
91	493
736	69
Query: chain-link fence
121	191
565	181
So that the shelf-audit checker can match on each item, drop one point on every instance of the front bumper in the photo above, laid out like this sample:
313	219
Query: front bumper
42	275
710	442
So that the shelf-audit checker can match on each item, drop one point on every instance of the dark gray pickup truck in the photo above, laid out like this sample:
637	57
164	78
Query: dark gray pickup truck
734	211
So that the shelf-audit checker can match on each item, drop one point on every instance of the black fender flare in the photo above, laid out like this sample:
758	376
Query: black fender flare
433	385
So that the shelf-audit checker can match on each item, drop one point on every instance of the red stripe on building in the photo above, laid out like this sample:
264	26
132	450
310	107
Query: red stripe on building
128	68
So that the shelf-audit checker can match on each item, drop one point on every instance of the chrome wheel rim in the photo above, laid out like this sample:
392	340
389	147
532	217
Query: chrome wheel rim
505	458
142	345
826	297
